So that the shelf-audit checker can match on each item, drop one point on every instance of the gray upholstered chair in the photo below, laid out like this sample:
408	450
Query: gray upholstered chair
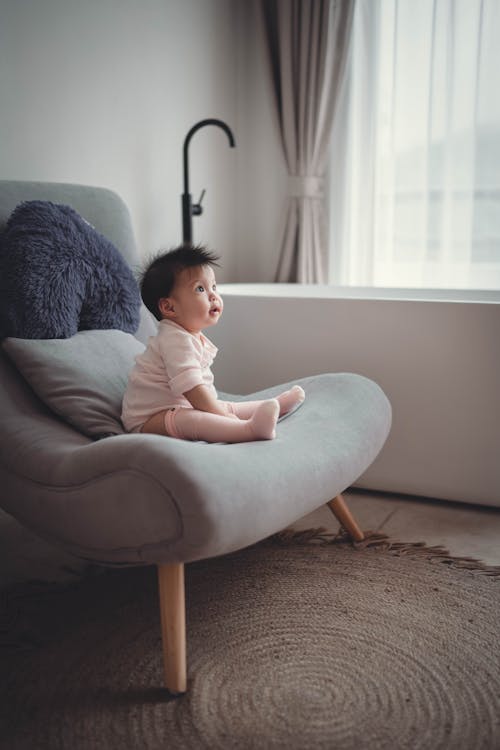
146	499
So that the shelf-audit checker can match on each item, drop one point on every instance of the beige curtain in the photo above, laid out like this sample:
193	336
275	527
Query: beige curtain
307	42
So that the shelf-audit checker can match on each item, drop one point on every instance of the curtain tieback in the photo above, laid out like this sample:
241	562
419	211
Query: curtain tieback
306	186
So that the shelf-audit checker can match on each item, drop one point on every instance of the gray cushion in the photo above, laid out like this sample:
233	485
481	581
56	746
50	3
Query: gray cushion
82	378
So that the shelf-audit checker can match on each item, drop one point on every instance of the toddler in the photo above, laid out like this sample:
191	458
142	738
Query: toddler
170	390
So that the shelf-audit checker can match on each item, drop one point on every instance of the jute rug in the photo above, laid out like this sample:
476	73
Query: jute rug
304	641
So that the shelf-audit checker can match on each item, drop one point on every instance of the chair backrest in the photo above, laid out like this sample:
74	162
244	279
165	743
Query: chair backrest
107	212
103	208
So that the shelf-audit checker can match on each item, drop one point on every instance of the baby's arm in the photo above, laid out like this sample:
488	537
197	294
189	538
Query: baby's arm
201	397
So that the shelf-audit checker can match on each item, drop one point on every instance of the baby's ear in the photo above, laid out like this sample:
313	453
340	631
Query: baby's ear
166	307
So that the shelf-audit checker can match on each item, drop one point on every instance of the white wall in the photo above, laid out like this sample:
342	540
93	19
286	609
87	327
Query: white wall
437	361
102	92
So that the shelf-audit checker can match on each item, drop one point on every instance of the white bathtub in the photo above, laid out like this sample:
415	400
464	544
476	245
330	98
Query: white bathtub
436	355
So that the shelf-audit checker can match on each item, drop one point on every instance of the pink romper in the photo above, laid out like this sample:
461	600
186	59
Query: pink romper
175	361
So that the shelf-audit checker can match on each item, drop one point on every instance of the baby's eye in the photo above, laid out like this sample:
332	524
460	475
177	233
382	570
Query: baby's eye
200	288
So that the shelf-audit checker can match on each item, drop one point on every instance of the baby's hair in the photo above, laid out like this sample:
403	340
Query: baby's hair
159	277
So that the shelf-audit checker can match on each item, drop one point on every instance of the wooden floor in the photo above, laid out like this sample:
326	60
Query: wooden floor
465	530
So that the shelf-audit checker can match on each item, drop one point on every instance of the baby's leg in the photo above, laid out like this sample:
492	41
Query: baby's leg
287	401
191	424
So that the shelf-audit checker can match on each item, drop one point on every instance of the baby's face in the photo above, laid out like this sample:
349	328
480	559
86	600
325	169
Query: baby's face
194	302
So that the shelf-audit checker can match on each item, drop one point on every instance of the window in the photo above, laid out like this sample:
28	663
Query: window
415	168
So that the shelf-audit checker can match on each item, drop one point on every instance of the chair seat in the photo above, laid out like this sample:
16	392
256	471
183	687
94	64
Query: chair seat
142	499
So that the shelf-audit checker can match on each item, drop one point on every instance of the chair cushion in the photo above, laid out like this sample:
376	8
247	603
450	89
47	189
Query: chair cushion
82	378
59	276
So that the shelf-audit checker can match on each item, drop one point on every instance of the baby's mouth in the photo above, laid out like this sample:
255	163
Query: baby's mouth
214	310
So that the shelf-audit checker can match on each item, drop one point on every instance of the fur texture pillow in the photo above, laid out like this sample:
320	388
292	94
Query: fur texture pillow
59	276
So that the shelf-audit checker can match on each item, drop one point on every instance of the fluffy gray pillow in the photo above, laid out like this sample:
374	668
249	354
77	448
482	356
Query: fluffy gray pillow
60	276
82	378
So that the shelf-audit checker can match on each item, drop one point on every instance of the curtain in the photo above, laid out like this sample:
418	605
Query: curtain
416	201
307	42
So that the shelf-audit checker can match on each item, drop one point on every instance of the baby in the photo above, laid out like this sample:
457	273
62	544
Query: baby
170	390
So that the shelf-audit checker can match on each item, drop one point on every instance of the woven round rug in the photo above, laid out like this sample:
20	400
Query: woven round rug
303	641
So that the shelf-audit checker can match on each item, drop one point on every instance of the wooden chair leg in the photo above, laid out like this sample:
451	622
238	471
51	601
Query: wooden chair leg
173	625
344	516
